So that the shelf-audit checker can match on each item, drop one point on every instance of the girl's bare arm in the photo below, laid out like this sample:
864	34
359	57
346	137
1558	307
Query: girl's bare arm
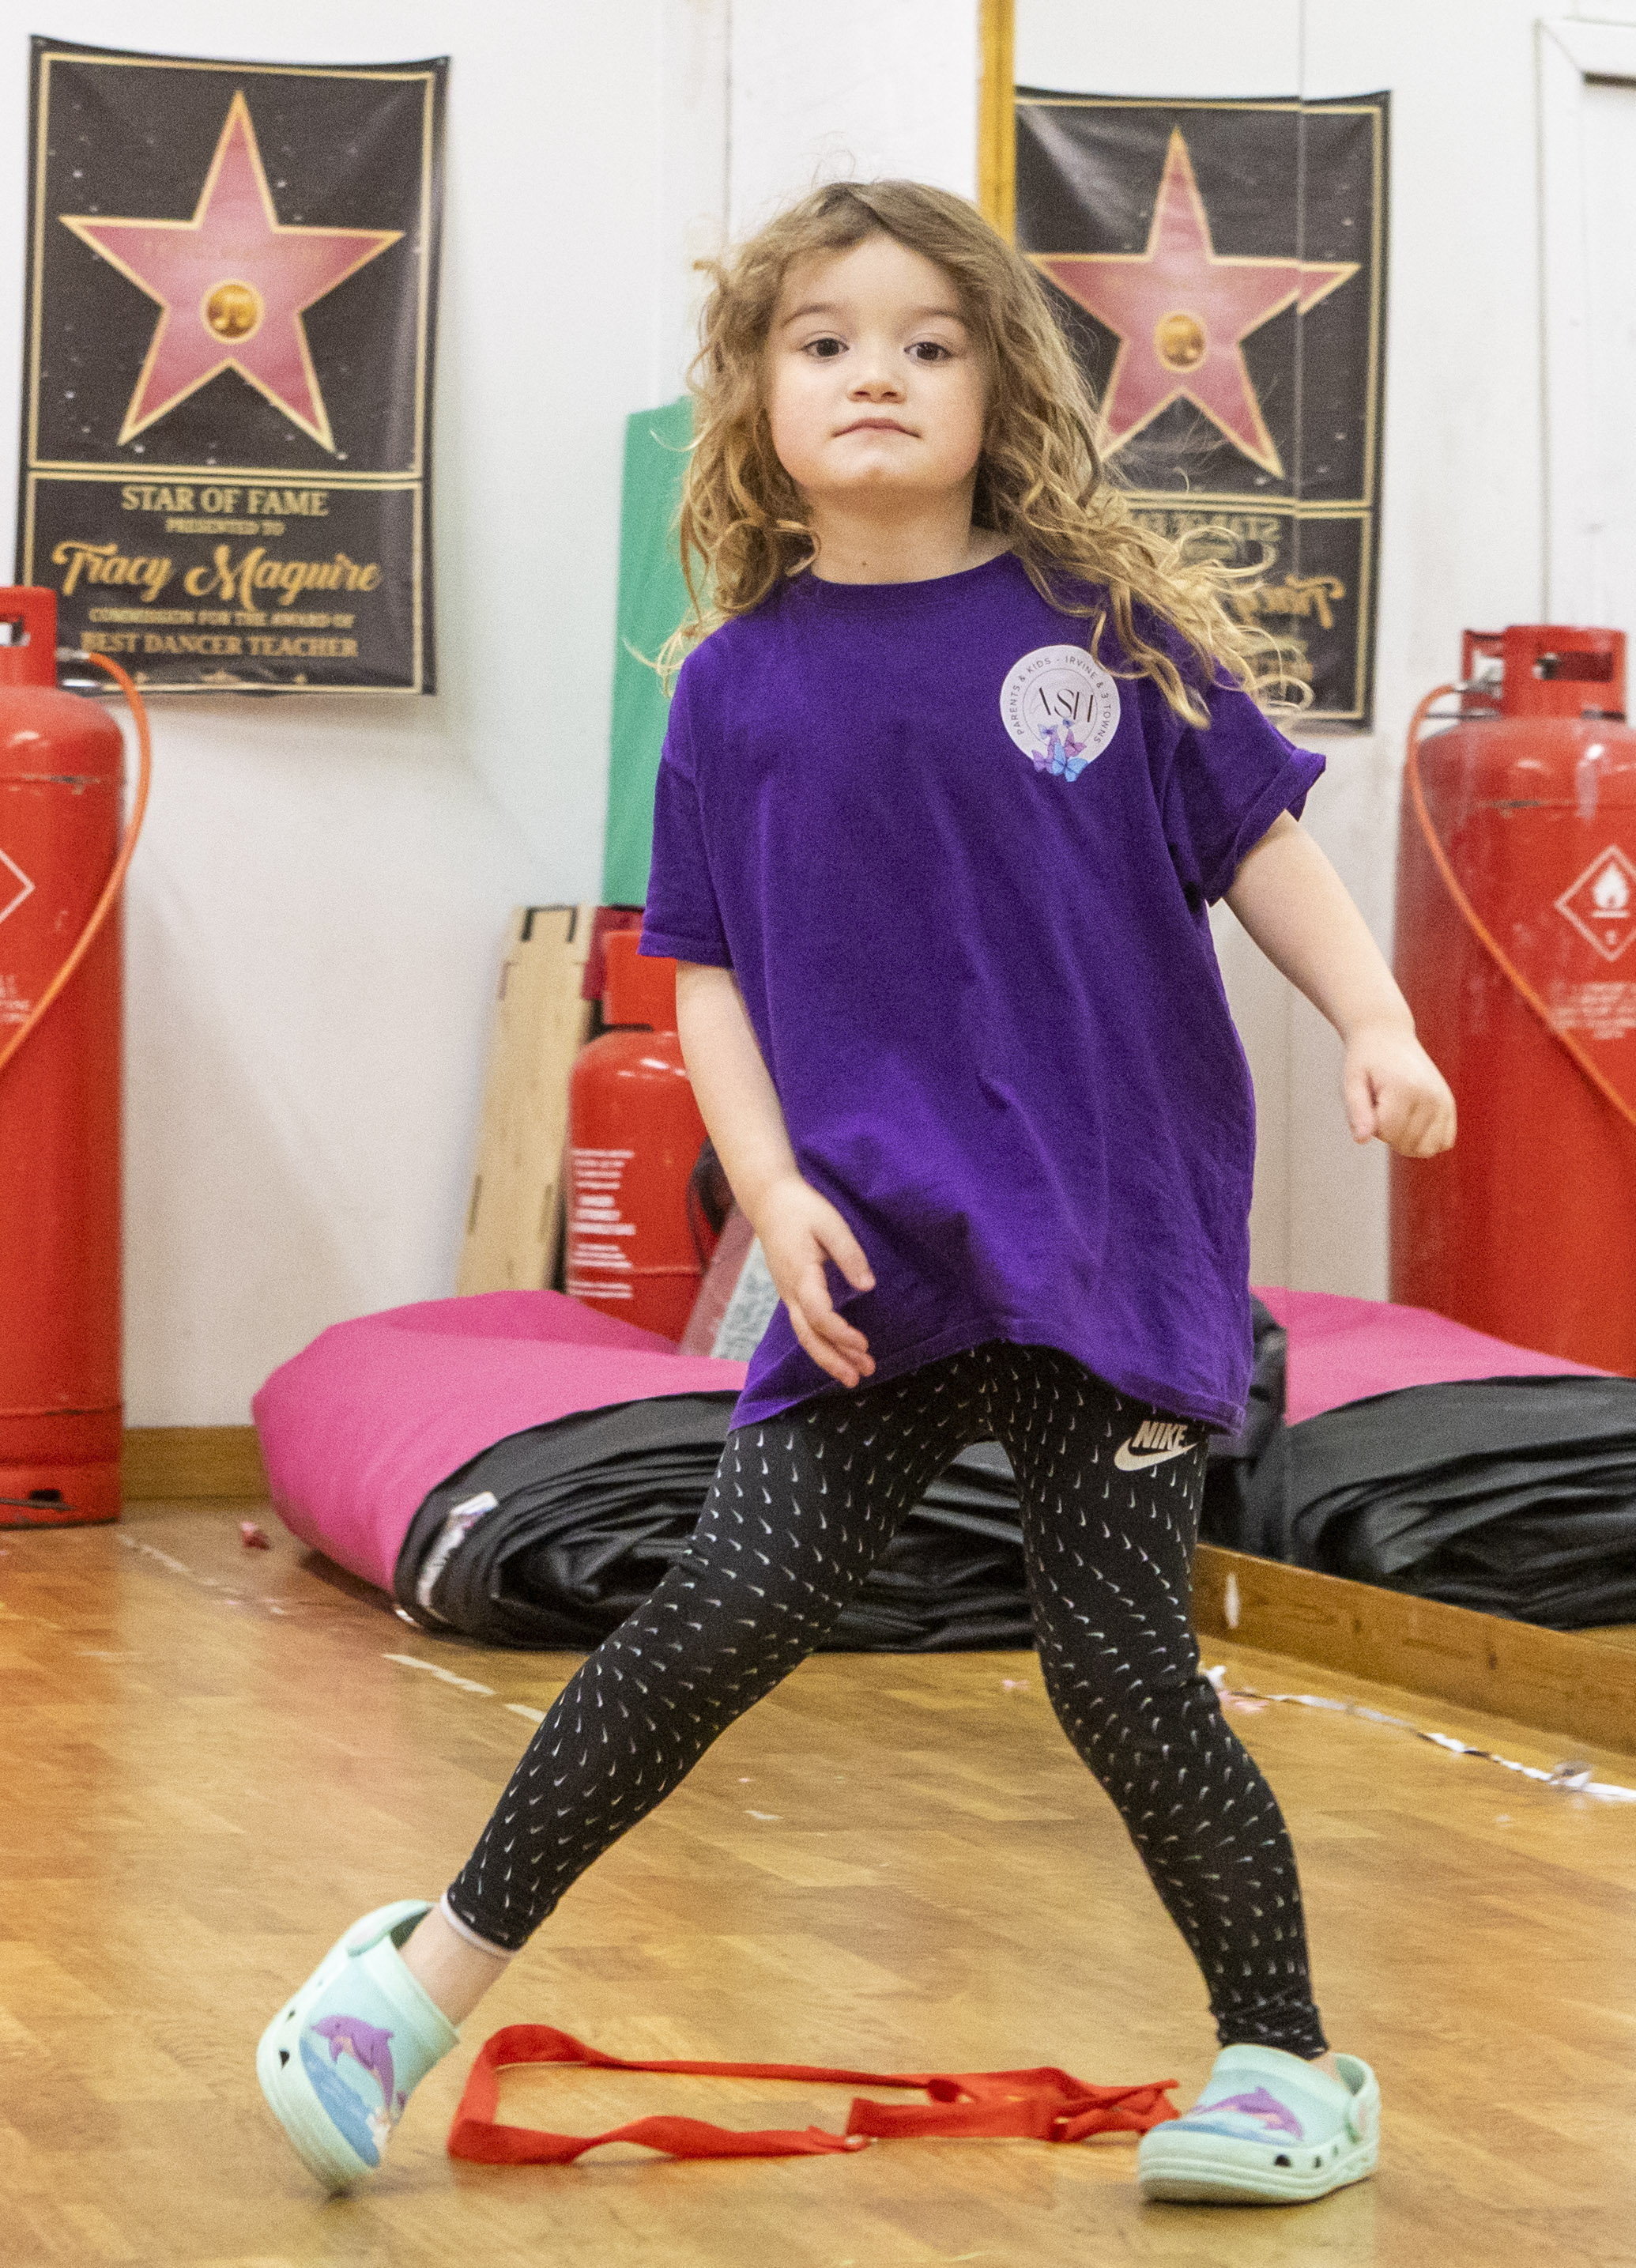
1295	906
797	1225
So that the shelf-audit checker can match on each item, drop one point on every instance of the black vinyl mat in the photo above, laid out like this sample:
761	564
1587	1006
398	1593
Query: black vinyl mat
589	1512
1516	1496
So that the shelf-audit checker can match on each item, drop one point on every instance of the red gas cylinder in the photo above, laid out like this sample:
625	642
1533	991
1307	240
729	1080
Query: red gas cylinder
635	1135
1517	948
62	762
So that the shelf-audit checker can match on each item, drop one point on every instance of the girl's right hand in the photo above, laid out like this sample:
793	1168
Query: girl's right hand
798	1228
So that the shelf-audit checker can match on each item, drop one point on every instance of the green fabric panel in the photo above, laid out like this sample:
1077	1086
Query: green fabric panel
653	598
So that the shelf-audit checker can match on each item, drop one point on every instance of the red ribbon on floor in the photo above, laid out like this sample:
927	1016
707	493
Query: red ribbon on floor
1042	2105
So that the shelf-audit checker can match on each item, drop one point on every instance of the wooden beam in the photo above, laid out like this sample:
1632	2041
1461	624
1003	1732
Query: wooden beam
179	1462
1555	1680
996	115
541	1022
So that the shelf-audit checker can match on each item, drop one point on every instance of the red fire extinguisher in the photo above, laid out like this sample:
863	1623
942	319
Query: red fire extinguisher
64	847
635	1135
1517	948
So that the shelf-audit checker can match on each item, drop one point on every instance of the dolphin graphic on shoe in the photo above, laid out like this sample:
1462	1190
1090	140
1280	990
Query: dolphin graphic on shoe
360	2011
366	2043
1260	2105
1270	2128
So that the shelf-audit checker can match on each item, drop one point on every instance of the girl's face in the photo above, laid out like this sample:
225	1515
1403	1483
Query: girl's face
876	393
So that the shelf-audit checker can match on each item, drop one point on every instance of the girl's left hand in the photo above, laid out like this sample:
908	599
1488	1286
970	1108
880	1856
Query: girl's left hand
1394	1093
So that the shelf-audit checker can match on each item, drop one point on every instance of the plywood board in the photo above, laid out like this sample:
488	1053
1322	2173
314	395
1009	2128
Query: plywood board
514	1221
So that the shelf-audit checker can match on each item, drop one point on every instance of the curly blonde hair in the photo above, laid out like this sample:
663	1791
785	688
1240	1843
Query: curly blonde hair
1042	480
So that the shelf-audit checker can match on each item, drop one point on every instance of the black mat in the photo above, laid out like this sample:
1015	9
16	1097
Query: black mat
1516	1496
592	1510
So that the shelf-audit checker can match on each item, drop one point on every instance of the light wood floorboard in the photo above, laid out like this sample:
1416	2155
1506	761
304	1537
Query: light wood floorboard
212	1764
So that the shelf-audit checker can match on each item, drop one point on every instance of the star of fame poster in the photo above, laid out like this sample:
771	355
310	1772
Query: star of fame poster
1220	269
227	382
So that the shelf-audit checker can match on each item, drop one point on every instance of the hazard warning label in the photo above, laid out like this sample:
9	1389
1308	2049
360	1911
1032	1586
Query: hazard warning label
599	1267
1601	904
14	885
1600	1010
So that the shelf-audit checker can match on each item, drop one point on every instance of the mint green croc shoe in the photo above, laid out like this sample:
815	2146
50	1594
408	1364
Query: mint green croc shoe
339	2061
1268	2130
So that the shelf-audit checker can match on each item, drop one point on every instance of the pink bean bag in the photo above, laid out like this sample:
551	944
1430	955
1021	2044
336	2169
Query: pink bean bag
360	1427
1343	1350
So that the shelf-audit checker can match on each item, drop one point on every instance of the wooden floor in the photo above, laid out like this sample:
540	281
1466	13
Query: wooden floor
213	1762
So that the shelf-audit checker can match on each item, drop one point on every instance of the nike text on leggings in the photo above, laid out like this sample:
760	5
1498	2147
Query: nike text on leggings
800	1509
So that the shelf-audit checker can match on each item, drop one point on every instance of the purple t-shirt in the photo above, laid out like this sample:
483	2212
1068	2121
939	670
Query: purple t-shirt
962	874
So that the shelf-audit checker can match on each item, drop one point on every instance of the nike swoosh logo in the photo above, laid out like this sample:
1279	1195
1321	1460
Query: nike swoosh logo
1137	1461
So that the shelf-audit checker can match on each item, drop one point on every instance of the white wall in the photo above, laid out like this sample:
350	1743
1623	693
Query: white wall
1461	513
852	88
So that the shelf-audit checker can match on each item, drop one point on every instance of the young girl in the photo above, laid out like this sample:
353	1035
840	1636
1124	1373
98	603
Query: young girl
946	794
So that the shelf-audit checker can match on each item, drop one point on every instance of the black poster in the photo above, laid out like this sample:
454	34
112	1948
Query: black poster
227	368
1220	269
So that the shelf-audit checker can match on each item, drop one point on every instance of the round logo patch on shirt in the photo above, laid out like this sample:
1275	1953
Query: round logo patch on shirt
1061	709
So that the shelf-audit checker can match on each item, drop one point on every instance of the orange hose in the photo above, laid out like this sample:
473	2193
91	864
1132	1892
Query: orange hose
1479	928
111	888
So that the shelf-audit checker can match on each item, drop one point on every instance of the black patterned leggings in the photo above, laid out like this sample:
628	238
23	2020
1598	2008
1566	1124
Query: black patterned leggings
800	1509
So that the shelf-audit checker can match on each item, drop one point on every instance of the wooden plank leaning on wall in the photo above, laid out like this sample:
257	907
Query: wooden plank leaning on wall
514	1222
